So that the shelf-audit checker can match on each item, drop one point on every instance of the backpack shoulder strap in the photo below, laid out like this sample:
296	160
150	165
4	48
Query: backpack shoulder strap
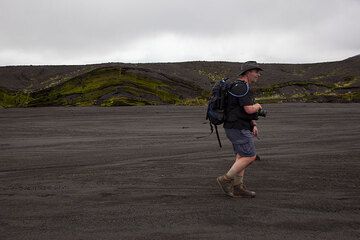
239	89
217	135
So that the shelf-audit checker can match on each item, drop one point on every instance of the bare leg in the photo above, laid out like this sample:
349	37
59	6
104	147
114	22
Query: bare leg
232	182
238	168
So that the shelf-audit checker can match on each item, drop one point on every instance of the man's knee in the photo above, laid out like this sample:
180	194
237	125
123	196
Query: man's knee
252	158
248	159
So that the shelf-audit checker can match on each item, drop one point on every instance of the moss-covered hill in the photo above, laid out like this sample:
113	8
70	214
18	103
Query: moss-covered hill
108	86
186	83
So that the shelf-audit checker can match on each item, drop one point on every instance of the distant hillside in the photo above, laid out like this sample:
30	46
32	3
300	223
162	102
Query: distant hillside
172	83
108	86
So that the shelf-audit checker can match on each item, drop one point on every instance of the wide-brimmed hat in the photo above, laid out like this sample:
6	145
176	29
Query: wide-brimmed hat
249	65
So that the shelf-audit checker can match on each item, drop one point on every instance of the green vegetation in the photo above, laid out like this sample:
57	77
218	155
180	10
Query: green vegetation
106	87
276	98
58	79
272	95
277	86
13	99
351	97
348	82
111	86
123	101
299	72
199	101
213	77
325	75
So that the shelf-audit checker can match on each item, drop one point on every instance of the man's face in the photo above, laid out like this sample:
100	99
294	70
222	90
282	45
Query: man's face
253	75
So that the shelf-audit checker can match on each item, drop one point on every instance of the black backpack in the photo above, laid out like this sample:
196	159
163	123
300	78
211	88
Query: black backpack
217	104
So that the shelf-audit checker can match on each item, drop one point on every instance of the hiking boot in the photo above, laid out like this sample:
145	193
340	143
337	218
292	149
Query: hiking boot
241	191
226	185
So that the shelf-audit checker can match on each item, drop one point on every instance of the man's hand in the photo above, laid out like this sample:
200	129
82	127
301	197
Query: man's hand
255	132
258	106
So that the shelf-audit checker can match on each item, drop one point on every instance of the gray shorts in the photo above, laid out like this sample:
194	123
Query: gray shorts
242	141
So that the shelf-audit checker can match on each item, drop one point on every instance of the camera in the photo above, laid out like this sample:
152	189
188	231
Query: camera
261	113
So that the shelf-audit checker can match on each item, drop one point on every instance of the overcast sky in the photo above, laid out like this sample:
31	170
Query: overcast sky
90	31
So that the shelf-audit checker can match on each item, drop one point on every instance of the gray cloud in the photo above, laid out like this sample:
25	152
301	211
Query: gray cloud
85	31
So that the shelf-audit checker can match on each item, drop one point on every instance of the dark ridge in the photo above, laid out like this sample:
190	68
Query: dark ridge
183	80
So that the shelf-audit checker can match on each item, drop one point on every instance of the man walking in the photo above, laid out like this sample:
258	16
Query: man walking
240	128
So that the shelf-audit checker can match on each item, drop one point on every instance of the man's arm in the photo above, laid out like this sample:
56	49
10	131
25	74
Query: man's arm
254	129
251	109
253	123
